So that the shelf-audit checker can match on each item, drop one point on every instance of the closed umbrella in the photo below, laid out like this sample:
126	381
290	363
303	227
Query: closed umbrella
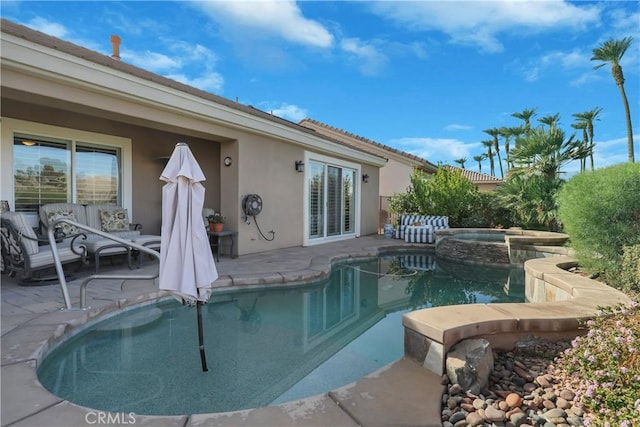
187	268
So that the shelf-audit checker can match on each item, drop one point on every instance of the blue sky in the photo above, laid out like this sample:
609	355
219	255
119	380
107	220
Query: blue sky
426	77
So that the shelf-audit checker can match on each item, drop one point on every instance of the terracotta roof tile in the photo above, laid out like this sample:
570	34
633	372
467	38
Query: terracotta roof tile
477	177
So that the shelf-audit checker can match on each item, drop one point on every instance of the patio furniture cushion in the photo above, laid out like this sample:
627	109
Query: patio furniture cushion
67	229
418	262
23	227
419	234
78	212
404	221
114	220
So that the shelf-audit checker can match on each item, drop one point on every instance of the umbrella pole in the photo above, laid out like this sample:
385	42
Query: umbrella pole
203	357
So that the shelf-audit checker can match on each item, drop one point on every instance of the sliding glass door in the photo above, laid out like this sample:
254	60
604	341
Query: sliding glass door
331	200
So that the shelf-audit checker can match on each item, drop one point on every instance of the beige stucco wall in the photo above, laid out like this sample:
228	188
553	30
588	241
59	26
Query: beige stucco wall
395	177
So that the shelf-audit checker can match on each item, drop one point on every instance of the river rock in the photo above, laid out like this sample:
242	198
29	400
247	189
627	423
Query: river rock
457	417
474	419
568	395
554	413
513	400
544	383
493	414
469	363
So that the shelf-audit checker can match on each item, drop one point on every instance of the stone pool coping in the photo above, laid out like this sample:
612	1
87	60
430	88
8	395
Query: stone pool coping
558	301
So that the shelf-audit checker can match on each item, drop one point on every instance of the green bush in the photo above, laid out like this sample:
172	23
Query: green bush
630	270
600	211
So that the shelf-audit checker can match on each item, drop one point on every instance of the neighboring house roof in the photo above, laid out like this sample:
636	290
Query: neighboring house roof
412	159
477	177
39	38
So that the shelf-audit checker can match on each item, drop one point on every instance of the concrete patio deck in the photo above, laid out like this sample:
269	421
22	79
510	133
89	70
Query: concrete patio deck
402	393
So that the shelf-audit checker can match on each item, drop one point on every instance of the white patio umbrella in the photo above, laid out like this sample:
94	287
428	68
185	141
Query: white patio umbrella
187	268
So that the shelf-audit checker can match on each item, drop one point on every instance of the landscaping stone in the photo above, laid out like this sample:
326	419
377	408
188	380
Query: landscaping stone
543	399
469	364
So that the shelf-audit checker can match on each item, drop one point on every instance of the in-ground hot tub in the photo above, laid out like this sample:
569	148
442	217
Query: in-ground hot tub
498	246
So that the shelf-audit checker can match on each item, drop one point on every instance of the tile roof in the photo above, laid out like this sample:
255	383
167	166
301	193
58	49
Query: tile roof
423	162
477	177
46	40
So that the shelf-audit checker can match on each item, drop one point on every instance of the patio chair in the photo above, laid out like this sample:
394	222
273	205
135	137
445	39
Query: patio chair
24	253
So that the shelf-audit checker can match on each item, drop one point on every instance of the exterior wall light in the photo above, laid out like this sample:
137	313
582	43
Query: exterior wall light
299	166
365	178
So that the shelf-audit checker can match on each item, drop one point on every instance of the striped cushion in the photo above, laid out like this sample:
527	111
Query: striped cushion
424	234
23	227
45	256
418	262
407	220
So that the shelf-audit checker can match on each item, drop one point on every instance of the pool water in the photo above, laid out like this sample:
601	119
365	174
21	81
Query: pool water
263	347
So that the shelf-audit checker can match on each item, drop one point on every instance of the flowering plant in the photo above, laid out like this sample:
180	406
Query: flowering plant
216	218
606	364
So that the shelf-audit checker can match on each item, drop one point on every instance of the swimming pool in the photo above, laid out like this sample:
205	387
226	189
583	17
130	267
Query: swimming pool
263	347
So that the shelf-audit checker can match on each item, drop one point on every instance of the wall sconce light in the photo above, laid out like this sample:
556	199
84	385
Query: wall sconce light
365	178
299	166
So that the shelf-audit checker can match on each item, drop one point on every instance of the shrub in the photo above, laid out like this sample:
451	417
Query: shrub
605	363
446	193
630	270
600	211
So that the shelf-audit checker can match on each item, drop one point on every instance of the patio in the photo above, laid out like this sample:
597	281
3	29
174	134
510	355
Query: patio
401	393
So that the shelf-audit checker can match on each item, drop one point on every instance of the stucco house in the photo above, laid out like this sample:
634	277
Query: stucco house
92	127
395	175
482	181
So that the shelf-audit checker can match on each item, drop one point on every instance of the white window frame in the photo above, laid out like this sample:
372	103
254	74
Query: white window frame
332	161
12	127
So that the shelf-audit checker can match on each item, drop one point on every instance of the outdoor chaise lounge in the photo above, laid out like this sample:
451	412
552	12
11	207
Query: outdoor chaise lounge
108	218
24	253
420	228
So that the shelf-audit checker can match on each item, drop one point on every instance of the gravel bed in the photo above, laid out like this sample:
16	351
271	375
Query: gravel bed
525	389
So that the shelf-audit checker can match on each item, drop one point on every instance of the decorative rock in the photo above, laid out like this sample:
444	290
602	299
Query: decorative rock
469	364
444	380
548	404
513	400
447	424
457	417
544	383
577	411
567	395
479	404
493	414
518	419
522	373
503	406
455	389
575	420
562	403
474	419
467	407
554	413
451	403
529	387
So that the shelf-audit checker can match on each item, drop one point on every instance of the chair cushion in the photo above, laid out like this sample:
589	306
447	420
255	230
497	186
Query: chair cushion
23	227
114	220
67	229
77	209
45	256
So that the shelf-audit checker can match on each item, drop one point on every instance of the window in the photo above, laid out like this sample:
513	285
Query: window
331	200
49	170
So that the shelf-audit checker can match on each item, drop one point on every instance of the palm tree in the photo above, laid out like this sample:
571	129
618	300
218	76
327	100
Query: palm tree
551	121
526	116
461	161
507	133
479	159
612	51
585	142
588	117
494	132
489	145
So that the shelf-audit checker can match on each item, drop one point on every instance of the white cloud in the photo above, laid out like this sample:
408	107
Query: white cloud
553	61
288	111
152	61
455	126
369	59
479	23
281	18
52	28
435	150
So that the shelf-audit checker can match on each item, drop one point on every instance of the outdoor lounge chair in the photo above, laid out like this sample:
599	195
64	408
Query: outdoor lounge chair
24	253
104	217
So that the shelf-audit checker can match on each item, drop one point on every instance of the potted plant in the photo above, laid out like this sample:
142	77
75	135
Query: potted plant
216	222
